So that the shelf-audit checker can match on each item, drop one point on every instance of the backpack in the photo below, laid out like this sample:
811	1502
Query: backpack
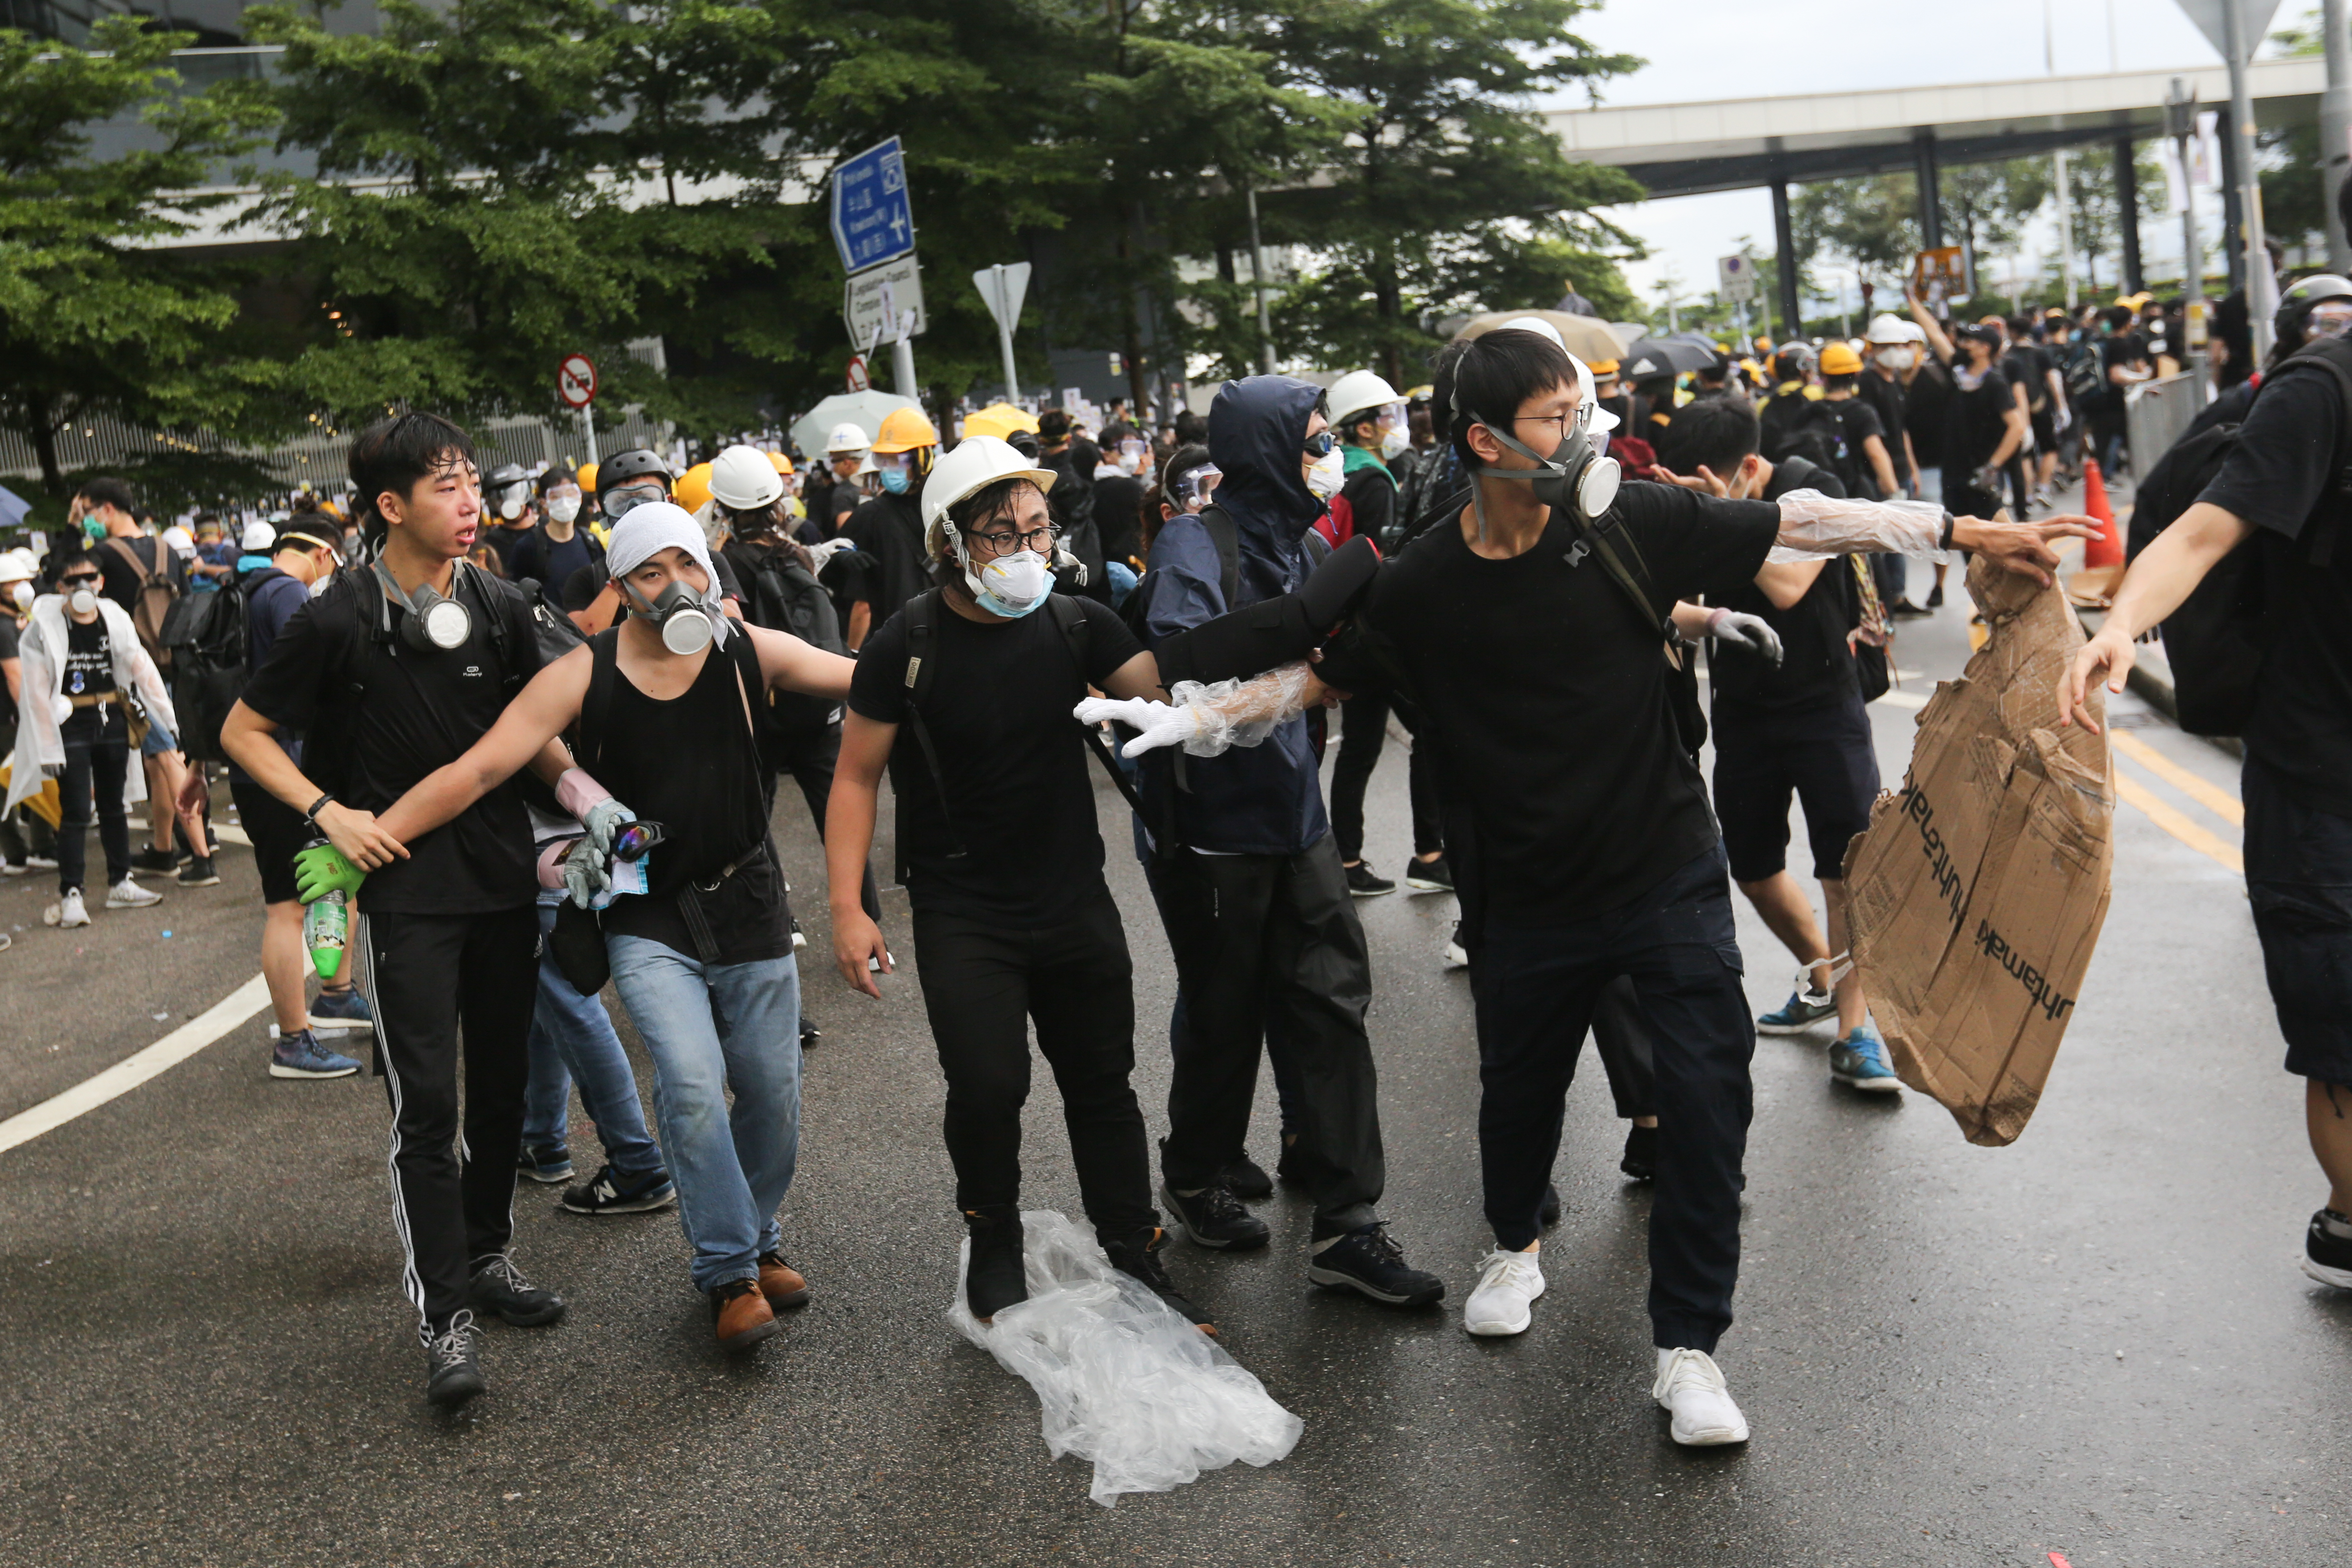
785	597
204	634
2086	383
2215	641
151	602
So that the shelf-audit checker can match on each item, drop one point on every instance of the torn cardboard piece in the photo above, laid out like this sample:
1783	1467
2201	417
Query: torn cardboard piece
1976	896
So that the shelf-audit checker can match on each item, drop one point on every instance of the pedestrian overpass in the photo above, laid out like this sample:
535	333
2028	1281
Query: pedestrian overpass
1687	149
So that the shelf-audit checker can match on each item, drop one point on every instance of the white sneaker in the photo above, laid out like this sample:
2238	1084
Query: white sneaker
128	895
1509	1283
67	911
1690	1385
1456	957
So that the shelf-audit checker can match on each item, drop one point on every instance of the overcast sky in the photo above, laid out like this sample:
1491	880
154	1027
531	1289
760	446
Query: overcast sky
1718	49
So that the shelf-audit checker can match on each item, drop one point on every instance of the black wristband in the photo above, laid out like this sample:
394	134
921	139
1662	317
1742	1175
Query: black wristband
317	806
1946	542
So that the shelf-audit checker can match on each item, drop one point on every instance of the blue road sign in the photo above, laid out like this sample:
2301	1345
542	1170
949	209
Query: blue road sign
872	221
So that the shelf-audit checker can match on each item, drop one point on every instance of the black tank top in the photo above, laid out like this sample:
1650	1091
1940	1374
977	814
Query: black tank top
689	764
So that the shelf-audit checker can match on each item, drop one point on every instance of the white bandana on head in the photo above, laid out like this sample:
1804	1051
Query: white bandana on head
644	531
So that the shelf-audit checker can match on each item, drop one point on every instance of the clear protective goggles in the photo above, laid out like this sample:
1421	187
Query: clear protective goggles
1193	484
621	498
2328	319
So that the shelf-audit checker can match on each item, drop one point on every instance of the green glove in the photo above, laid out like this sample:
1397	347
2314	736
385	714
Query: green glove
322	870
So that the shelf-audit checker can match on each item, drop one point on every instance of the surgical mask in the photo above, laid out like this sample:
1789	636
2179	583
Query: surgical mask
1894	359
1327	474
81	601
679	614
25	595
433	624
320	587
1576	479
91	528
894	480
1392	444
1130	457
1011	585
563	509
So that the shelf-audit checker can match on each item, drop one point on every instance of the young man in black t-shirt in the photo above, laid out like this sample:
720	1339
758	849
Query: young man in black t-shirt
2281	492
1577	821
1013	920
394	671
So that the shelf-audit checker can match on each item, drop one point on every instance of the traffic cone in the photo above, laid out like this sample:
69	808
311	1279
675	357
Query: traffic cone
2107	549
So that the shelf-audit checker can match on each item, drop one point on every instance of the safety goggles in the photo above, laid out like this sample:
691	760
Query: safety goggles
622	499
1318	445
1195	484
2332	319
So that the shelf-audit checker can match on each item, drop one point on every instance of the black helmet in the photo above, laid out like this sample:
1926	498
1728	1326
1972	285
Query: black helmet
622	467
506	482
2297	300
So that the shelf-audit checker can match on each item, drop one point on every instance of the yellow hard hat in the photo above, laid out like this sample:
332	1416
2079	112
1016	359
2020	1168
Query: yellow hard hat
783	464
903	430
1839	359
693	487
587	478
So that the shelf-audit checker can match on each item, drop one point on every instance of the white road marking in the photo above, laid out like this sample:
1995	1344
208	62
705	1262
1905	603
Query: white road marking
1893	699
236	1008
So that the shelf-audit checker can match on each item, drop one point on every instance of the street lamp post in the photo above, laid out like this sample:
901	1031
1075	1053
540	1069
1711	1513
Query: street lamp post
2180	122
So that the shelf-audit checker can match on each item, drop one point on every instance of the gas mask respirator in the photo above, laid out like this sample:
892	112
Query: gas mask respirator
1577	479
678	613
431	623
81	601
25	595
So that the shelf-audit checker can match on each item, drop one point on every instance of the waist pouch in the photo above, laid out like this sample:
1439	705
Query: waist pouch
735	899
577	943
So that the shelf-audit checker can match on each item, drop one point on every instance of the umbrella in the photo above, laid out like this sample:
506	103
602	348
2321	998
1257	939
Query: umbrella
14	508
1589	338
863	409
1666	356
999	420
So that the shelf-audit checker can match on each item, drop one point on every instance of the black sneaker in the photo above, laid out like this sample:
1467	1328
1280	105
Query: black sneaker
154	862
2326	1256
1548	1215
1936	597
1641	1157
199	873
548	1163
810	1035
1139	1259
1365	883
1215	1217
994	1278
1246	1179
1289	1170
498	1289
1369	1262
611	1192
453	1369
1430	876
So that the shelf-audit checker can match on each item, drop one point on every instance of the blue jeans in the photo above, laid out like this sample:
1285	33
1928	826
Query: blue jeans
572	1040
710	1028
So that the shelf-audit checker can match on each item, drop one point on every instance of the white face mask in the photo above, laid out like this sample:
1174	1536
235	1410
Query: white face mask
1011	585
81	602
319	585
1329	472
25	595
511	509
1392	444
563	509
1894	359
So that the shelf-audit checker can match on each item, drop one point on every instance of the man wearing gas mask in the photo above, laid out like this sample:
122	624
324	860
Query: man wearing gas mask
389	673
509	498
1535	633
699	939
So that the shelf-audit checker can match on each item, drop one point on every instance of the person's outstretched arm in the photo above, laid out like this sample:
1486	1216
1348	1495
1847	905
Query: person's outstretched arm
1814	524
849	814
524	735
2166	574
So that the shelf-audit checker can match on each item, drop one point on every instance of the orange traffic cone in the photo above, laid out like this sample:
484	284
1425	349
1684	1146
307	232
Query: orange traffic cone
2107	549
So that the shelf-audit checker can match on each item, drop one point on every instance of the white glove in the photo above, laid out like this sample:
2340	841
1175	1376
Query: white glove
1160	725
1745	631
603	822
821	554
585	875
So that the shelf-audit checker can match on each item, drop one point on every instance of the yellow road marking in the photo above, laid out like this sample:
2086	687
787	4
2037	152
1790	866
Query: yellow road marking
2204	792
2178	824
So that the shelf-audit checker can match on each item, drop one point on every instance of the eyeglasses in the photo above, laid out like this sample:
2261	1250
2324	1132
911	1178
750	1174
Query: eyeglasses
1559	422
1003	543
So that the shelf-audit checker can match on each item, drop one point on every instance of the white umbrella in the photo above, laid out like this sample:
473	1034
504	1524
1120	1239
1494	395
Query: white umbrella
863	409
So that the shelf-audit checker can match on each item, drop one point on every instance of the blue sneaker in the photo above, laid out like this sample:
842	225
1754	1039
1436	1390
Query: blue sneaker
1804	1009
301	1056
345	1009
1859	1061
547	1162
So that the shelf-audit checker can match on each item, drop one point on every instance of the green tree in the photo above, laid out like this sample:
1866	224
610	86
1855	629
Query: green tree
99	313
1986	206
1870	225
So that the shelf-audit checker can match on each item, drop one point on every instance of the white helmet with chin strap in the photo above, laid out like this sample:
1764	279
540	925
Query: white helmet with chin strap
1009	585
1358	392
743	479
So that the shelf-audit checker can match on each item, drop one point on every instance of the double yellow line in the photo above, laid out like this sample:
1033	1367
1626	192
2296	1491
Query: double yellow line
2173	820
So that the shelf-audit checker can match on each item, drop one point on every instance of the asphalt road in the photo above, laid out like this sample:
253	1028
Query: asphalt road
2095	1341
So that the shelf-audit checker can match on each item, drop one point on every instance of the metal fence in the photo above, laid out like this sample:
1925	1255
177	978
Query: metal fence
2157	414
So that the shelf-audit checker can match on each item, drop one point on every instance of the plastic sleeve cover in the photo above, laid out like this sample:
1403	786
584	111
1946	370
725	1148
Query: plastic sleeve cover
1240	712
1814	527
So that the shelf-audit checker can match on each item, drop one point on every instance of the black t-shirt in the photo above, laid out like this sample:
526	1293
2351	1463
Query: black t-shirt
121	579
2282	477
890	529
1119	518
998	710
1974	419
2127	350
689	764
2029	365
1777	423
89	672
1816	668
8	633
1926	407
1547	696
1885	396
416	712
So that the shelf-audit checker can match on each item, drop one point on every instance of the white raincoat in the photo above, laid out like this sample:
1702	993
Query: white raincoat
43	706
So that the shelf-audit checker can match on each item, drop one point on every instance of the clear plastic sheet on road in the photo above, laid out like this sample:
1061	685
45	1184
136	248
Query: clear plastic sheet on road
1977	893
1122	1378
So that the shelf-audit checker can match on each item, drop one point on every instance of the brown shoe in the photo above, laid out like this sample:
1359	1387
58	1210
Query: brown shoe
739	1315
782	1283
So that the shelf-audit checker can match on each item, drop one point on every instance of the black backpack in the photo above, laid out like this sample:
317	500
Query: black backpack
2086	378
2215	641
784	597
204	634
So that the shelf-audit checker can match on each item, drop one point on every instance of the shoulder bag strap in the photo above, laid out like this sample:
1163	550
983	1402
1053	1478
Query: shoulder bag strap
1077	635
596	709
920	613
1227	539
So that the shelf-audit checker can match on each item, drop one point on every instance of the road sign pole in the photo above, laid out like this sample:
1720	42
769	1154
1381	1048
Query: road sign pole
1004	338
588	428
2262	283
902	367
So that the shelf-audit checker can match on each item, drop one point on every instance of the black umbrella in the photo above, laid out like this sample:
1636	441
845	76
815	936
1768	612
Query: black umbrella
1666	356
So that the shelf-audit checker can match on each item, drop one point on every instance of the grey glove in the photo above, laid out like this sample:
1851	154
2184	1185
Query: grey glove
587	874
1752	632
603	822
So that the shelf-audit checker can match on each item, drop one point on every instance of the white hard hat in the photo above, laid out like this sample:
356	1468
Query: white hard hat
18	566
977	462
864	466
179	538
744	479
1912	332
259	538
1889	327
1358	393
847	437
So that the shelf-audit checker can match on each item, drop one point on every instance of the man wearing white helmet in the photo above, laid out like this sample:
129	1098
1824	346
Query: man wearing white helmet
831	500
1011	918
699	942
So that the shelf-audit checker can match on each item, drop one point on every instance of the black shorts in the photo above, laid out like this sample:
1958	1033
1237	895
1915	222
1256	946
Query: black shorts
2299	880
2045	432
277	831
1823	755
